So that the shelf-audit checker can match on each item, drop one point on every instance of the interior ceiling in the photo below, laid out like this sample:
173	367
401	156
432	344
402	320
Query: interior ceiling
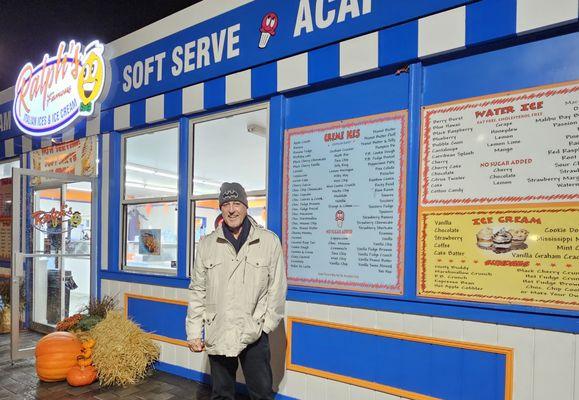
222	147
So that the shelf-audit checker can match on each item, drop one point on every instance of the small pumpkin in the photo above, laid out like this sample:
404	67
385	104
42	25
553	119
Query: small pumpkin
81	375
55	355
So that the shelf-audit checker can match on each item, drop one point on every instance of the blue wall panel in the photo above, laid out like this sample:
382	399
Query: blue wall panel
173	103
542	62
390	42
440	370
352	100
159	318
490	20
324	64
263	80
138	110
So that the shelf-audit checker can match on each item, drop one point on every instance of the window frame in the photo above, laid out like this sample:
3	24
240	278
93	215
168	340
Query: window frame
125	203
191	199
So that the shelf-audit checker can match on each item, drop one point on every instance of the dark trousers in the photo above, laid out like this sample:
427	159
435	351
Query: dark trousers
256	369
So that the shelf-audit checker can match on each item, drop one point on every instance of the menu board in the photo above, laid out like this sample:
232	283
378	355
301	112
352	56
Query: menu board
5	219
344	185
499	207
514	256
511	148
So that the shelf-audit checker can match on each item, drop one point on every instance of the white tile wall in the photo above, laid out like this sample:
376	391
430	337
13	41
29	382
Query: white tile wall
417	325
9	148
122	117
26	144
294	385
93	125
450	329
385	396
337	390
365	318
389	321
296	309
523	342
104	233
238	87
442	32
553	365
292	72
576	377
316	387
535	14
340	315
479	332
320	312
155	109
360	393
193	98
359	54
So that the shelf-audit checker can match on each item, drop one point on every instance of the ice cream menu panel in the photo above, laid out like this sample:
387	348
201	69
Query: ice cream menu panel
499	214
514	256
343	219
511	148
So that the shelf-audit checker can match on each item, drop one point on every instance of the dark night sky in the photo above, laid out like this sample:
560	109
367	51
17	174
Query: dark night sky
29	29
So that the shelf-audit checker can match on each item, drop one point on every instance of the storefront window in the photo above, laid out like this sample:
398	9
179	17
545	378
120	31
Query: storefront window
228	148
151	177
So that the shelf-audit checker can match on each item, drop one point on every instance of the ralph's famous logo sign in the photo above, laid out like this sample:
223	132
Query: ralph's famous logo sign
50	96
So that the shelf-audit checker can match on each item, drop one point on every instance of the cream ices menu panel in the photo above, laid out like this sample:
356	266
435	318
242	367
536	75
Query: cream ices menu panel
343	219
510	148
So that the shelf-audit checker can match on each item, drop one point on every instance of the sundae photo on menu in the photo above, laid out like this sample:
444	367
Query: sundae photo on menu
502	240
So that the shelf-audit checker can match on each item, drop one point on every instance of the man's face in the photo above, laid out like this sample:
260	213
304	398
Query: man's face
234	212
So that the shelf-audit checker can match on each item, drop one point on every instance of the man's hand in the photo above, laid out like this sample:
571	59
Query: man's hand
196	345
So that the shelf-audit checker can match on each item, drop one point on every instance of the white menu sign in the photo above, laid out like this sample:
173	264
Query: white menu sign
343	220
520	147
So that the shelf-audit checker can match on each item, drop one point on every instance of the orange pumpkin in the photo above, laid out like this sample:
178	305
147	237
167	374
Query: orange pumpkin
55	355
81	376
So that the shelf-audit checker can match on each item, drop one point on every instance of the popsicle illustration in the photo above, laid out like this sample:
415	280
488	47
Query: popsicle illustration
268	27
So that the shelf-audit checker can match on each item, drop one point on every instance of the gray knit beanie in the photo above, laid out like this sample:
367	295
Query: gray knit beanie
232	191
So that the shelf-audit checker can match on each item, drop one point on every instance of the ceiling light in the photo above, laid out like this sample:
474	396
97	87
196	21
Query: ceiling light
151	171
152	187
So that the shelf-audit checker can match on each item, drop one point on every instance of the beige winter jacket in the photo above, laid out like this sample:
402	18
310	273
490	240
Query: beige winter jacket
234	297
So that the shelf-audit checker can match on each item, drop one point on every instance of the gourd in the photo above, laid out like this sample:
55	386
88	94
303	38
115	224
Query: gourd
84	373
81	375
55	355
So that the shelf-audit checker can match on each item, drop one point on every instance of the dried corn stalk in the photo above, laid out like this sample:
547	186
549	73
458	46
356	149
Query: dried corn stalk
123	352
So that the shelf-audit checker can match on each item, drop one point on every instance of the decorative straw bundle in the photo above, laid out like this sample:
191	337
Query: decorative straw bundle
123	352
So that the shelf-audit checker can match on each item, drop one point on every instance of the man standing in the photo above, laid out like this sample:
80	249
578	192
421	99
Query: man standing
237	298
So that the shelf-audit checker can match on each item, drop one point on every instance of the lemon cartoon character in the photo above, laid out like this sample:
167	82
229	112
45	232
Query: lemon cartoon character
92	76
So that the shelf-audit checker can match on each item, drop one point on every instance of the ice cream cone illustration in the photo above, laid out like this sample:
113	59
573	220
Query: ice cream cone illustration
340	218
268	27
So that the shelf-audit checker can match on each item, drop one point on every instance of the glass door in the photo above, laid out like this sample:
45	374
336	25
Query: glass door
53	275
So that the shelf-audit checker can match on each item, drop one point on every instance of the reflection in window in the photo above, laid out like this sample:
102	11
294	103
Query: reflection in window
152	164
230	148
151	235
151	177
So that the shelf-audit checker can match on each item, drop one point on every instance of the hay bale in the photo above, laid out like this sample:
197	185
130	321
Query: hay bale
122	352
